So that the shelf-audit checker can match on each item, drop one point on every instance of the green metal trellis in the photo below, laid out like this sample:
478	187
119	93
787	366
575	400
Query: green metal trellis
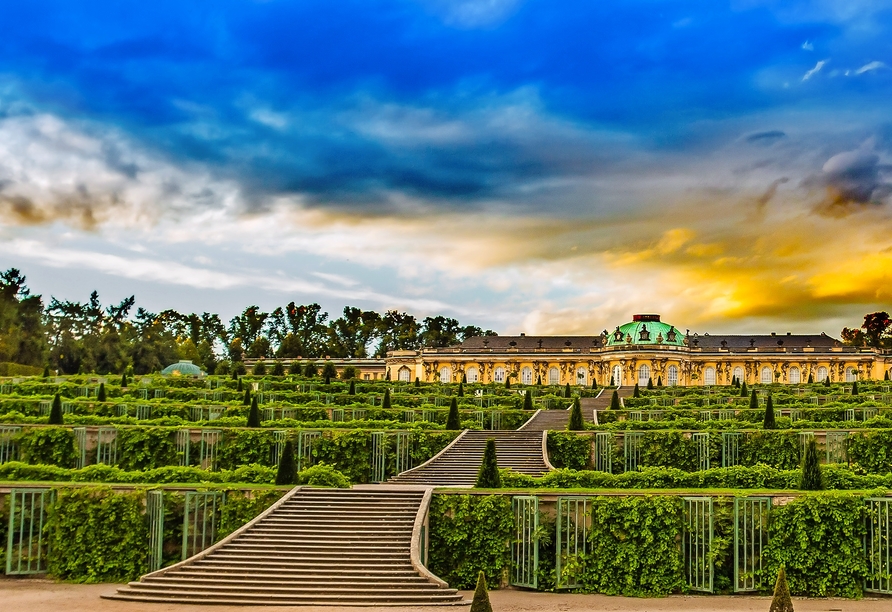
878	545
379	456
200	519
155	516
107	445
697	543
279	438
804	438
525	547
836	443
183	441
305	441
80	436
750	539
207	451
604	451
702	441
9	449
632	450
26	547
731	448
403	451
573	523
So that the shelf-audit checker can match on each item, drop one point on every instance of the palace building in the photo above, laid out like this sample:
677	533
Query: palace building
644	349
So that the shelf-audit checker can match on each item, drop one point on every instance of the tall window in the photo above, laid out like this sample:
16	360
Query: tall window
582	376
767	376
738	373
617	375
643	374
554	376
446	375
709	377
526	376
822	374
471	375
794	376
851	374
405	374
498	375
672	376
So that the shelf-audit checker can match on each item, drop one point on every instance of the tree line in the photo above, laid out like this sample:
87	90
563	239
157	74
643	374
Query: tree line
74	337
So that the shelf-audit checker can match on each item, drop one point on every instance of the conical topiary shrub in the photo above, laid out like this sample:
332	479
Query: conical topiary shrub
594	384
385	403
539	381
453	421
327	380
743	390
489	477
659	381
100	395
567	392
782	601
855	388
461	388
754	401
636	392
287	472
827	380
254	413
247	400
612	381
507	381
46	372
56	412
811	478
650	383
352	389
527	400
768	421
240	387
811	378
576	422
614	401
124	380
417	382
480	603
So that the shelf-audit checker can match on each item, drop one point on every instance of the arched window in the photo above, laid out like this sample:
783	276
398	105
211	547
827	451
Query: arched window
526	376
498	375
851	374
446	375
471	375
822	374
617	375
405	374
643	375
672	376
767	376
582	376
738	374
554	376
794	376
709	377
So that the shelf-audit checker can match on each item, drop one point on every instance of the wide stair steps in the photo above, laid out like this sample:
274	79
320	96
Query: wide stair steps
325	547
557	420
459	464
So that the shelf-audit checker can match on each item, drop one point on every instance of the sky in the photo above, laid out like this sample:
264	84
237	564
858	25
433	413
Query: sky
526	166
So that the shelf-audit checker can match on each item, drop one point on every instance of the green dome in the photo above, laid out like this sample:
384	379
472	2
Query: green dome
645	330
182	368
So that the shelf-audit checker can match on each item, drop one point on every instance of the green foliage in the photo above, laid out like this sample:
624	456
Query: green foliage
259	369
294	368
818	540
145	448
488	477
743	390
781	602
567	392
768	422
247	400
470	534
352	389
614	401
461	387
97	535
480	603
254	413
527	400
242	507
100	395
323	475
811	478
48	445
633	548
636	392
349	373
576	422
650	384
56	411
311	370
329	370
754	401
566	450
287	472
855	388
453	420
385	403
278	369
417	383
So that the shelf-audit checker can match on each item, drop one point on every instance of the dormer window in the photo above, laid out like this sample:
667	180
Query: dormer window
644	335
671	336
617	335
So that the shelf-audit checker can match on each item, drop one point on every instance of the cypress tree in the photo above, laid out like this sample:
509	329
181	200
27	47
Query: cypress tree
594	383
637	391
855	388
754	401
576	422
650	383
527	400
811	478
352	389
124	379
100	395
507	381
56	417
417	382
827	380
327	380
768	422
247	400
453	421
743	390
464	378
240	387
311	369
659	381
254	413
567	392
782	601
46	372
480	603
385	403
461	388
539	380
234	372
287	472
614	401
278	369
489	477
811	378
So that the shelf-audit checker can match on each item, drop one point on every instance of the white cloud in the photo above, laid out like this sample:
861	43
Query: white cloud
870	67
473	13
808	46
814	70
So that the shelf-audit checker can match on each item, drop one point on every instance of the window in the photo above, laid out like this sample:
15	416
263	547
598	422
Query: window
671	336
526	376
471	375
445	375
582	376
794	376
617	335
366	376
405	375
554	376
672	377
498	375
851	374
644	335
709	377
617	375
643	375
822	374
767	376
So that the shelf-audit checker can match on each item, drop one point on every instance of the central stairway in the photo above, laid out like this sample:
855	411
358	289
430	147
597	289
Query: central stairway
557	420
459	463
330	547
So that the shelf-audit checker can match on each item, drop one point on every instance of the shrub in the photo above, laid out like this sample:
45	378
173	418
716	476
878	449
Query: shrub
311	370
294	368
349	373
56	417
527	400
754	401
576	422
259	369
417	382
480	603
278	369
636	392
329	370
124	380
855	388
768	422
322	475
100	395
811	478
247	400
453	421
461	387
743	390
385	403
567	392
650	383
781	601
614	401
659	381
287	472
489	477
352	389
254	414
240	387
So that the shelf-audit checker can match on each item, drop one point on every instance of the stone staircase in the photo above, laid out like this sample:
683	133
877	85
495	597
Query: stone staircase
557	420
328	547
458	464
